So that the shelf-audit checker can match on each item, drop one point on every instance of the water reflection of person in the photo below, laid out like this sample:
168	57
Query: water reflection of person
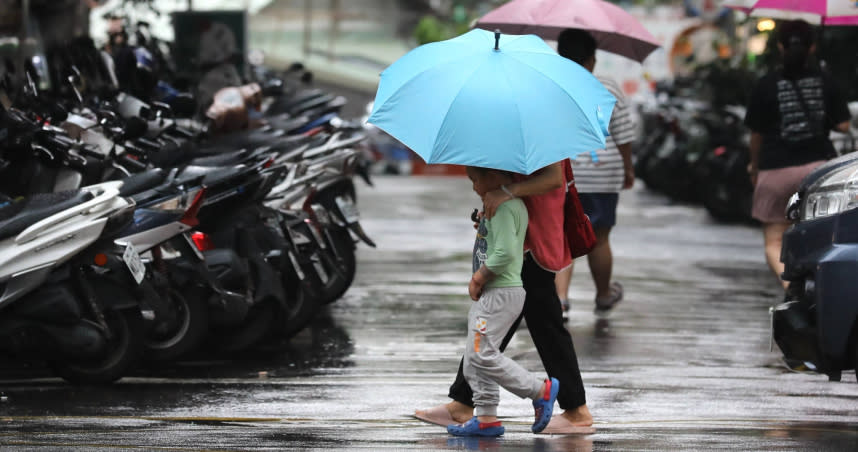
790	114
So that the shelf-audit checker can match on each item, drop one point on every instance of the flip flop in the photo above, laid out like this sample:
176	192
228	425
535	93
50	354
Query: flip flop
559	425
438	415
604	306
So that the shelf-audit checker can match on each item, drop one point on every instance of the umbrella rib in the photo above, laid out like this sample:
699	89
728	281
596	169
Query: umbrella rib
520	129
429	68
452	102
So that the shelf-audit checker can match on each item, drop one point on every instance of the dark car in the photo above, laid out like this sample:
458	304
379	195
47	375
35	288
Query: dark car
818	323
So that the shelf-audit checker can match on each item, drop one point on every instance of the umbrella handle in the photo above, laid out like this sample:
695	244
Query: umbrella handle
497	39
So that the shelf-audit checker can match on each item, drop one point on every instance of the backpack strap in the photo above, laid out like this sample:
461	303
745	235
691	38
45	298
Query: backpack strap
815	128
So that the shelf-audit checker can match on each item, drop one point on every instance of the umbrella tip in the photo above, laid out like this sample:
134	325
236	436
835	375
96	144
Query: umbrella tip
497	40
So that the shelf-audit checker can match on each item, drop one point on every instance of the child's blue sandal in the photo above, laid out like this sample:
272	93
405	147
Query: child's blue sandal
476	428
544	406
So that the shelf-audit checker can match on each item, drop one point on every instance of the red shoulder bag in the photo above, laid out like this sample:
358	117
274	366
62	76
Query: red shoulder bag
579	230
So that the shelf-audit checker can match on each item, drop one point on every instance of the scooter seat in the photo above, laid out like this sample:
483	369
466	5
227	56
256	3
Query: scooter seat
283	104
141	182
243	139
210	175
287	123
19	215
228	158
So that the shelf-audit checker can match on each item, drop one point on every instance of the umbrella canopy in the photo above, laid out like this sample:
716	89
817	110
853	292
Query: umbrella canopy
494	101
614	29
822	12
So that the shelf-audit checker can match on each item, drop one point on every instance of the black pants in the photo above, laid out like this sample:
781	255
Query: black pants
553	342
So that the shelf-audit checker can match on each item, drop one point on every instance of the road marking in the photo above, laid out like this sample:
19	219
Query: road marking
741	424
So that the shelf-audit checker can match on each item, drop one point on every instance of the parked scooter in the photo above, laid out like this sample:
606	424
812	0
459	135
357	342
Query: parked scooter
67	286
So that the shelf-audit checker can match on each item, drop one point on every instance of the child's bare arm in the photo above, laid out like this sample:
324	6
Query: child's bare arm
480	278
542	181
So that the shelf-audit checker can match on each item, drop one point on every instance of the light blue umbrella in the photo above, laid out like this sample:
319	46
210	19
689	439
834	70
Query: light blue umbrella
491	100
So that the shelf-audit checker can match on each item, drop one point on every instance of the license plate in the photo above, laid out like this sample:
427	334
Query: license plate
348	209
134	263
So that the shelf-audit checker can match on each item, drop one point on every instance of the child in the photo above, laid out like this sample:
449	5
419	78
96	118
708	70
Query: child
497	290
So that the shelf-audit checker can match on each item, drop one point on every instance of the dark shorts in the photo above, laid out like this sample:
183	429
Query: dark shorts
601	208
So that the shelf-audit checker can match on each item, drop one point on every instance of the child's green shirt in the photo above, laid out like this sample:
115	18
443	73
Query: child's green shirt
500	244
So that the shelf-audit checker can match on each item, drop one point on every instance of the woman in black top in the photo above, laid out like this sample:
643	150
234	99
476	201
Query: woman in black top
790	114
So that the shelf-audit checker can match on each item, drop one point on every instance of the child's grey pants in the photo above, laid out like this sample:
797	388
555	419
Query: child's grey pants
485	367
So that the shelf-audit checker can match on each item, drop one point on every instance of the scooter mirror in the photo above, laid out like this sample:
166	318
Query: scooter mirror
135	127
57	113
273	87
145	112
107	117
307	77
184	105
163	110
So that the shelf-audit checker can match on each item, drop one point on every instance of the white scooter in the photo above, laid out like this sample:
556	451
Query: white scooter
65	285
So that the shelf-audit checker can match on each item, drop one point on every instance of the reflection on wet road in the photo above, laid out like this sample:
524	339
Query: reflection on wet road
682	364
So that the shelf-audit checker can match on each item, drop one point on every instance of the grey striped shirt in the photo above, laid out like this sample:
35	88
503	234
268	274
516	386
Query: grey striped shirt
606	174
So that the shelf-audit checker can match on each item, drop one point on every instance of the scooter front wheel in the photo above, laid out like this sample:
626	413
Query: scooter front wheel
344	259
189	332
122	353
253	329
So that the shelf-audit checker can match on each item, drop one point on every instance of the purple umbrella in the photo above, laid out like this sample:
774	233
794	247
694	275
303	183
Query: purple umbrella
615	30
824	12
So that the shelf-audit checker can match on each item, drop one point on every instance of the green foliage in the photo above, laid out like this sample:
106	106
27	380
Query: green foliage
452	23
430	29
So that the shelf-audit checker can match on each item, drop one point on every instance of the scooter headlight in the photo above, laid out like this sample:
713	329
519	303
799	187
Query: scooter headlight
832	194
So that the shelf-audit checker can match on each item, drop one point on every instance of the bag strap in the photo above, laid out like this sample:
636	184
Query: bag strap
814	125
567	169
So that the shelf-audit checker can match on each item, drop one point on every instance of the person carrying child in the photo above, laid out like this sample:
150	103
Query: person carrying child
498	293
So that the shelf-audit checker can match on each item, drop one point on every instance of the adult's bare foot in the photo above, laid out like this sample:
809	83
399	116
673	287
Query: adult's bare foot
580	416
449	413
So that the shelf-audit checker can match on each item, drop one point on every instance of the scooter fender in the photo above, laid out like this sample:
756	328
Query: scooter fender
327	195
267	282
357	229
116	289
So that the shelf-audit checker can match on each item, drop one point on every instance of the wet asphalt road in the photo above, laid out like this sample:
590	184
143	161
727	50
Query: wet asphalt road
682	364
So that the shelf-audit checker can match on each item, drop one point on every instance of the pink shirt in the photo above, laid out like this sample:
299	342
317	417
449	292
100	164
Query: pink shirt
545	238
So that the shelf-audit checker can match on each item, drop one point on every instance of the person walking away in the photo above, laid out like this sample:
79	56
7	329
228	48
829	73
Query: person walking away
498	295
543	192
599	178
790	114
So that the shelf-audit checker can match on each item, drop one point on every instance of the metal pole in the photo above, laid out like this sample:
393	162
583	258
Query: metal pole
335	28
190	5
308	23
21	72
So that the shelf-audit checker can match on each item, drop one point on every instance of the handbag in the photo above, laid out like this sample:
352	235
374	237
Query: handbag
576	224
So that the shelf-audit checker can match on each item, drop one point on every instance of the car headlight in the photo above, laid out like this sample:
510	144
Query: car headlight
832	194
